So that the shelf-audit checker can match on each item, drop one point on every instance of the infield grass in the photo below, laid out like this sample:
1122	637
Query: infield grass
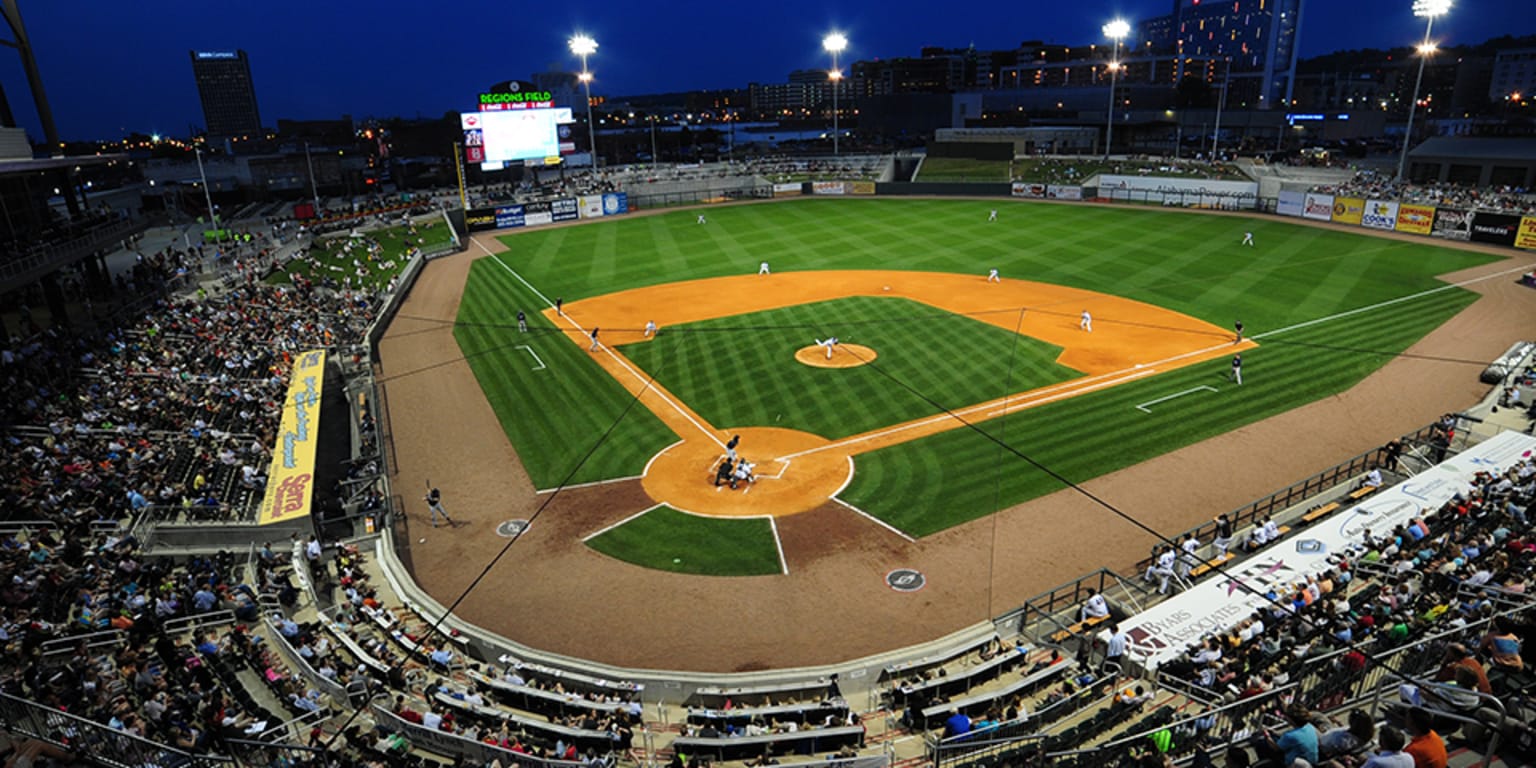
1191	263
735	371
668	540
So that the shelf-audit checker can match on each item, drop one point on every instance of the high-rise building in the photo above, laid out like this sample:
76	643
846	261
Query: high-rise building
1259	36
229	96
1514	75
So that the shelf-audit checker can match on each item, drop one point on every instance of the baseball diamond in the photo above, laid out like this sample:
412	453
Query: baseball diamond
921	456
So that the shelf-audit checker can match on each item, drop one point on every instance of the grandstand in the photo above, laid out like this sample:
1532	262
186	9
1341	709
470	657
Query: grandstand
148	621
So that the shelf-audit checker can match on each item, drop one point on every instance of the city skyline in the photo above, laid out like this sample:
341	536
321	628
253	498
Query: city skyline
321	61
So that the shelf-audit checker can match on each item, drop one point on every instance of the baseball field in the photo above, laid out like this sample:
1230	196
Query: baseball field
949	396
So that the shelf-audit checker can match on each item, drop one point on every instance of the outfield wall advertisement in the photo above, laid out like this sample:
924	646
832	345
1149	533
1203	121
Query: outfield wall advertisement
1415	219
1056	192
786	188
1202	192
291	477
1216	604
1291	203
1379	214
1317	207
1526	236
1348	210
1027	189
546	211
1496	228
827	188
1452	224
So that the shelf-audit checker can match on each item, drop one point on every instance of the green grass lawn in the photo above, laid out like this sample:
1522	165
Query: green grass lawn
962	169
553	415
1187	262
669	540
328	258
740	371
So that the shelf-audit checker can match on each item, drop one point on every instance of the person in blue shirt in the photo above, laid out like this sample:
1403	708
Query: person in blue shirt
1300	741
958	724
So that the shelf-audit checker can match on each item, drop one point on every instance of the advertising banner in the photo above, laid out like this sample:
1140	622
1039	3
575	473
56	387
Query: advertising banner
827	187
1452	224
861	187
1318	207
291	477
1348	210
1415	219
480	219
1056	192
1496	228
787	188
564	210
1291	203
1164	631
590	206
1026	189
1526	236
1380	214
510	216
615	203
1194	193
536	213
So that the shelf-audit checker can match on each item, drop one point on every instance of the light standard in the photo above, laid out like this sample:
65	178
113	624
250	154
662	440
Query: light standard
313	188
1115	30
1429	9
834	44
218	235
584	46
1220	102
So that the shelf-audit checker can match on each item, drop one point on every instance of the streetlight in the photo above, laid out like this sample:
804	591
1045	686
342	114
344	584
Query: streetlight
208	197
584	46
1429	9
834	44
1115	30
1220	102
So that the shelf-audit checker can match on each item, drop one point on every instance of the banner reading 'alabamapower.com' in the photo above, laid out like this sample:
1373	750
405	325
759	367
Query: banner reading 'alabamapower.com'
290	482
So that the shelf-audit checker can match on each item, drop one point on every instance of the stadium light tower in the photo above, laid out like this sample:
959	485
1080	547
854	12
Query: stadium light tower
1429	9
834	44
1115	30
584	46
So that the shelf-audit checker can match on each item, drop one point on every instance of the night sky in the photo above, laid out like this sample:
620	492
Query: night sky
113	68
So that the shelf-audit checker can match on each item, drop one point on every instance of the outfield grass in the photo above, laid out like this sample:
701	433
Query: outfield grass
557	414
740	371
669	540
328	259
962	169
1190	263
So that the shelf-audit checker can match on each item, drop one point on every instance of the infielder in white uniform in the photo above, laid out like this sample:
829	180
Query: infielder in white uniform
992	277
650	328
1087	322
762	269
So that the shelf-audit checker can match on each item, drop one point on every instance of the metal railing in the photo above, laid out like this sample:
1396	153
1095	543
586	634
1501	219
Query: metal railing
105	745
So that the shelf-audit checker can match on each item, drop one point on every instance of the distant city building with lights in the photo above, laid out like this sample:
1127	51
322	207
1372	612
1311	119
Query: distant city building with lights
1260	36
228	94
1514	75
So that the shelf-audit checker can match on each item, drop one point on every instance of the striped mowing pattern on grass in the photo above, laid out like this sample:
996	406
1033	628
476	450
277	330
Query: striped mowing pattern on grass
1186	262
553	416
668	540
742	371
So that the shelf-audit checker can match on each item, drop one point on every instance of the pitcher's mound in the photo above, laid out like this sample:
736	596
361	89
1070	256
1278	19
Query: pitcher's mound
843	356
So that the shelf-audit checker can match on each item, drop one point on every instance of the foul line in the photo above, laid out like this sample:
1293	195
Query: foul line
1034	401
1390	302
592	484
779	544
536	359
646	384
589	536
1143	406
875	520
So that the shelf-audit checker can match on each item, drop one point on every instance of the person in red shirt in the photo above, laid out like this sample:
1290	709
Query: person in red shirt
1425	746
